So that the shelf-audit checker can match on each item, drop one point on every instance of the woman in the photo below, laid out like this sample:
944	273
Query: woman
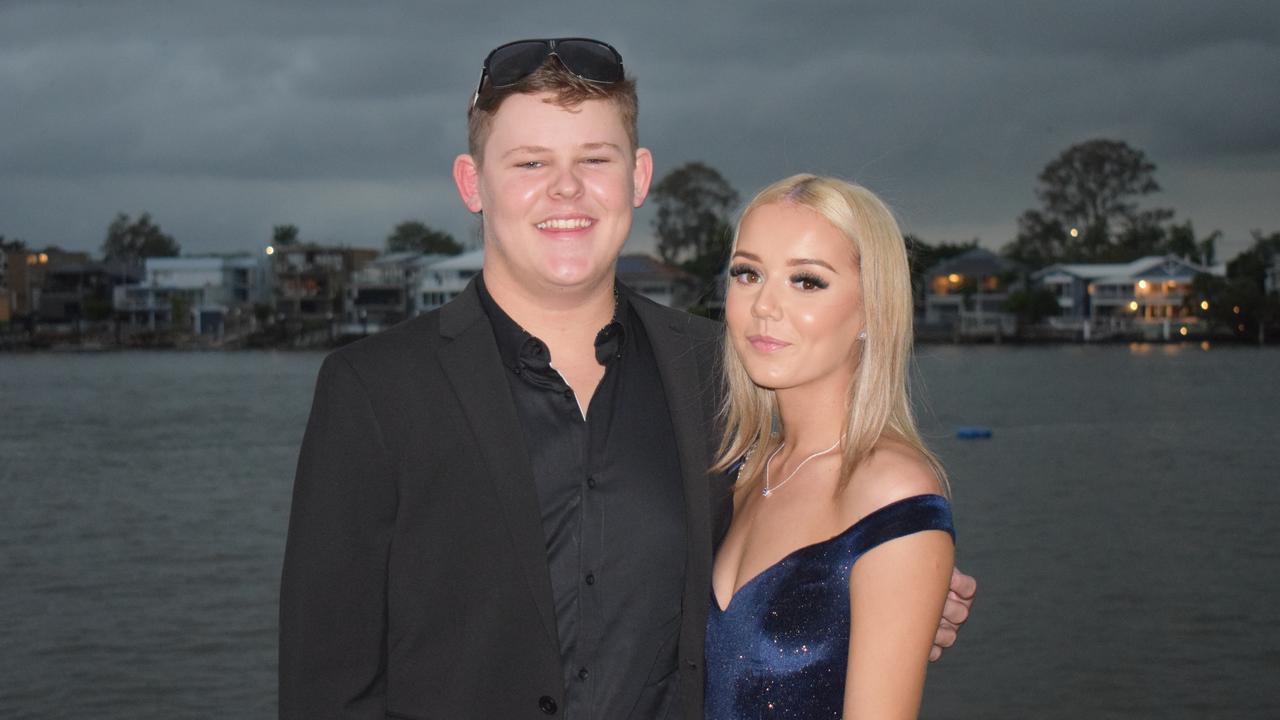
831	580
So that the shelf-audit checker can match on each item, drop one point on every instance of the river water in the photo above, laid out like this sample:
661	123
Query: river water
1122	523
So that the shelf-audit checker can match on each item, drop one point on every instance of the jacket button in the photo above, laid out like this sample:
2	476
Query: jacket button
547	704
591	578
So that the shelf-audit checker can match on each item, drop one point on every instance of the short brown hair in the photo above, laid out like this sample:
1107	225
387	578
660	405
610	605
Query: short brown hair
569	91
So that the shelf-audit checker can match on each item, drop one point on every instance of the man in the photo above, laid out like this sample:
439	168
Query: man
502	508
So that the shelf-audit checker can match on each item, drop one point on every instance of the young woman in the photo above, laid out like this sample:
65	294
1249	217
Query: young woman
831	581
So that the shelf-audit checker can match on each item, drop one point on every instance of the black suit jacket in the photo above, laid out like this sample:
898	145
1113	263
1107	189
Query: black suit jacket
415	579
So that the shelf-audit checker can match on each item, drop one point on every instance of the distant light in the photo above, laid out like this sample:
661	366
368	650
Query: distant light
1183	331
1204	304
1240	327
1133	305
1236	309
271	250
953	277
43	258
1204	344
1075	232
1142	284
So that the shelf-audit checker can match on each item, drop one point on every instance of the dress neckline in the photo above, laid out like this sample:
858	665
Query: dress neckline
715	601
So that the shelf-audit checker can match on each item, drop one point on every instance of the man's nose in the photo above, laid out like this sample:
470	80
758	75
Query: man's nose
566	183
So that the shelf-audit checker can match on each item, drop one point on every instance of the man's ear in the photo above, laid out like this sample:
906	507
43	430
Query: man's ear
466	176
642	176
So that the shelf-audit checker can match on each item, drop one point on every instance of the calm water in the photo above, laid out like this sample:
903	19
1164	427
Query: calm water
1122	524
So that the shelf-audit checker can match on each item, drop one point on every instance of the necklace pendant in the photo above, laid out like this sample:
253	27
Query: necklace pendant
766	492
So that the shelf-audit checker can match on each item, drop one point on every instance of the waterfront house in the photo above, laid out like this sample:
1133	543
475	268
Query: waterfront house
206	294
74	293
1145	296
967	294
658	281
442	281
385	292
24	278
309	280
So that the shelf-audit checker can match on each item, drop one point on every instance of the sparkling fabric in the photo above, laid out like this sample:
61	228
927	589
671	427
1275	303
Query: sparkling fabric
781	648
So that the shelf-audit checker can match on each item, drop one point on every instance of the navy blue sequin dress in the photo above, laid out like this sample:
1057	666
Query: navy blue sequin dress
781	648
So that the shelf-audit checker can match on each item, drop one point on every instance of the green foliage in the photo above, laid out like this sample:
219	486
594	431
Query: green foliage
694	220
97	309
1240	301
132	241
180	311
414	235
1091	189
1032	306
284	235
12	246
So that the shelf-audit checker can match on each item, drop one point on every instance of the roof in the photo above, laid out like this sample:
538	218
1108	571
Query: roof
978	261
1149	267
639	265
471	260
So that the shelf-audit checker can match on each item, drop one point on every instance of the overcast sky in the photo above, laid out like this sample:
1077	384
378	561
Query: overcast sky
225	118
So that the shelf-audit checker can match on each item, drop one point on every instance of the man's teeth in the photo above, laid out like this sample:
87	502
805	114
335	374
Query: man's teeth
564	224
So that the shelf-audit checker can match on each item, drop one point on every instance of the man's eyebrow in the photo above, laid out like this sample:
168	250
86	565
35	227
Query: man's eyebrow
599	145
526	148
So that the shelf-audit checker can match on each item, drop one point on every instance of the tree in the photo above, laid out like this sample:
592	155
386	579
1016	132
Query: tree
693	224
1088	197
132	241
1180	240
284	235
1240	301
414	235
12	246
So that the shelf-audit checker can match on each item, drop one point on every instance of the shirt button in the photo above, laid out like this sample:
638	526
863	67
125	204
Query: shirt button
568	394
591	481
582	673
591	578
547	704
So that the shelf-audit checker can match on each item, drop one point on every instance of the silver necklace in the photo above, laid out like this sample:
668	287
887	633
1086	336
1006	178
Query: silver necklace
766	490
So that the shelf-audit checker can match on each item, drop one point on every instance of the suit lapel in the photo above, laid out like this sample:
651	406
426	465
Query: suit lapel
687	392
474	368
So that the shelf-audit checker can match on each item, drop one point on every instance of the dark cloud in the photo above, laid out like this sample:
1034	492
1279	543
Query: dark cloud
225	118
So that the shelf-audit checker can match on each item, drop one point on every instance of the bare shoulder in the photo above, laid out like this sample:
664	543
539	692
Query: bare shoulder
894	471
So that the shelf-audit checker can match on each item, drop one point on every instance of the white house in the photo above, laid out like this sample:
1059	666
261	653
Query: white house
442	281
1148	292
1273	276
209	288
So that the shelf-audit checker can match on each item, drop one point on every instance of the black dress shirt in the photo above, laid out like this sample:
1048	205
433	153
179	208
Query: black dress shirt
610	493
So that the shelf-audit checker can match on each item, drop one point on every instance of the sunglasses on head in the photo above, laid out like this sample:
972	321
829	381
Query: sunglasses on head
591	60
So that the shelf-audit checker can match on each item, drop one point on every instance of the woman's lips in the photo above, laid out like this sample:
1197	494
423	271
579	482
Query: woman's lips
766	344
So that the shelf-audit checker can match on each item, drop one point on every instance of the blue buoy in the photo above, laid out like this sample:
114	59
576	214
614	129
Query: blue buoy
973	432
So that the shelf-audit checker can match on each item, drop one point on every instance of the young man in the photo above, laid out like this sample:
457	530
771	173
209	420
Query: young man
502	508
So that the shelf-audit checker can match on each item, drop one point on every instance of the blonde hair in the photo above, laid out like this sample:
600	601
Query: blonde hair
878	402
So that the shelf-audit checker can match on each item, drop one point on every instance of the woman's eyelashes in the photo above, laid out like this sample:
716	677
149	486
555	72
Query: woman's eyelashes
808	281
747	274
744	273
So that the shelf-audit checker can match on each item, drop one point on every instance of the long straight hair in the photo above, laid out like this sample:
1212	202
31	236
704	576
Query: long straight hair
878	402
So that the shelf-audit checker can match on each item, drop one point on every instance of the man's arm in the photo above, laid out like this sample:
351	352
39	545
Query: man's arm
333	588
959	601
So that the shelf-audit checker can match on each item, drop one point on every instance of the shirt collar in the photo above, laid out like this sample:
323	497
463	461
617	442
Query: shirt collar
521	350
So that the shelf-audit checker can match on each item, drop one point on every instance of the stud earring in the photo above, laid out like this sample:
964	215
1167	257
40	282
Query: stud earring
862	335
